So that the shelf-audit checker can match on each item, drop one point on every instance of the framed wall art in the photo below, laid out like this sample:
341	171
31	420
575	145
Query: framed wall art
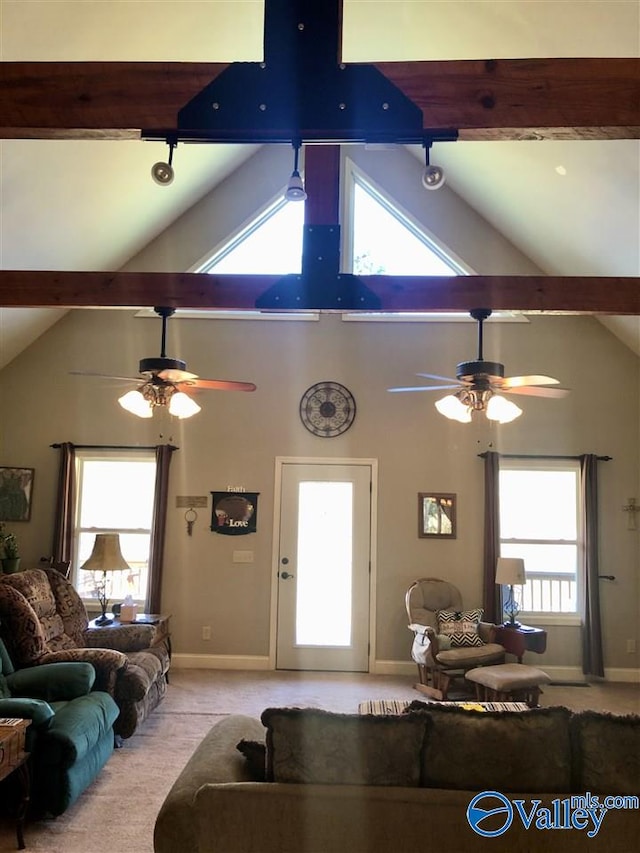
233	513
16	488
436	515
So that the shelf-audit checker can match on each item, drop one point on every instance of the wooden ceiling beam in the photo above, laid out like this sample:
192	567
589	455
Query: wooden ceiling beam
484	99
523	294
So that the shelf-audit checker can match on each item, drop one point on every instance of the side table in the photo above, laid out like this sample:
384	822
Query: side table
519	639
13	759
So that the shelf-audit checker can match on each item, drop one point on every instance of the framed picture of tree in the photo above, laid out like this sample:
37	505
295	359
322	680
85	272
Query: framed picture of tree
16	488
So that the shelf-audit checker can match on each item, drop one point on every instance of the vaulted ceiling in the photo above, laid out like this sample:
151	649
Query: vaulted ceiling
75	204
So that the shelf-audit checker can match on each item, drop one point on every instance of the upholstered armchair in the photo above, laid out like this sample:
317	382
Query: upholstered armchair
448	641
71	733
43	620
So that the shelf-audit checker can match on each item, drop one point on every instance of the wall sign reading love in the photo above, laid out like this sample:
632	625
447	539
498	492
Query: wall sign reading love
233	513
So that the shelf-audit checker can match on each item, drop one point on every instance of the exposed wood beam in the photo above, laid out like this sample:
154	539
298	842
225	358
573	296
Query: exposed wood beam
492	99
525	294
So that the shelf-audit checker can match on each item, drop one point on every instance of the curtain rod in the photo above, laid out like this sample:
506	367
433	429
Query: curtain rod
539	456
114	446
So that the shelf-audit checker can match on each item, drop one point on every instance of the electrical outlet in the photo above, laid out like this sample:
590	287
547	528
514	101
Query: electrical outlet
631	646
206	632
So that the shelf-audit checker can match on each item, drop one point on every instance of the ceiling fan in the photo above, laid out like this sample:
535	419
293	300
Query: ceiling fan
166	382
478	382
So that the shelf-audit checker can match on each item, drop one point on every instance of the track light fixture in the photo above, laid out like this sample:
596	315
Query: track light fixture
295	190
161	172
433	177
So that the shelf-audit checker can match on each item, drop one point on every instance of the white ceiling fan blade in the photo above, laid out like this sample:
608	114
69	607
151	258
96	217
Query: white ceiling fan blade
172	374
426	388
519	381
105	376
435	376
537	391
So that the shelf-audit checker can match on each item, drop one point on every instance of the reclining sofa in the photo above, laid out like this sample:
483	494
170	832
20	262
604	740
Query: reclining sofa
43	620
71	733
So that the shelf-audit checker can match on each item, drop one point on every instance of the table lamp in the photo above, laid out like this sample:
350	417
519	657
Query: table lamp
510	571
105	557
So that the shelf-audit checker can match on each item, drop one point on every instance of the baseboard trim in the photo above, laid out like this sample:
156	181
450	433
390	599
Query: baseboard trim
619	673
252	662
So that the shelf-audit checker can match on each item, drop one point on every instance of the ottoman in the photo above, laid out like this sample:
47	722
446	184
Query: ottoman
508	682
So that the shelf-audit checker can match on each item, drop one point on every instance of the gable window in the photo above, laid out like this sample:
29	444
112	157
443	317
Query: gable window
539	522
378	237
271	244
384	241
115	494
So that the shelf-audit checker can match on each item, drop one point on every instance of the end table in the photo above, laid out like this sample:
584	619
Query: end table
518	639
13	759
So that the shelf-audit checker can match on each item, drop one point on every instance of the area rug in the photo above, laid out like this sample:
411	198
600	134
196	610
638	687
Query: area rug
395	706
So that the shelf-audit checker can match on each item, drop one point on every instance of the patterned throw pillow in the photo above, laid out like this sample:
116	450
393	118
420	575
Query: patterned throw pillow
460	626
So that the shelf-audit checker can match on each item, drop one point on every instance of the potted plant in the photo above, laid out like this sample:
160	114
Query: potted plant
9	552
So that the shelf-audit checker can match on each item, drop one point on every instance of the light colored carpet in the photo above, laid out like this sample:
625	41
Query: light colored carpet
117	812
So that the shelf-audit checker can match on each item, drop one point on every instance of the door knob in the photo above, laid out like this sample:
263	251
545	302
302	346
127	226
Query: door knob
285	575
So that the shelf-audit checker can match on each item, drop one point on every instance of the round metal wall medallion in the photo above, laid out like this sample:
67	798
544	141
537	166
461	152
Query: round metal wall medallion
327	409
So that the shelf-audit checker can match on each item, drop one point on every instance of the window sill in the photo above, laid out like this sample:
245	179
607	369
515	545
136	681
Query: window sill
542	619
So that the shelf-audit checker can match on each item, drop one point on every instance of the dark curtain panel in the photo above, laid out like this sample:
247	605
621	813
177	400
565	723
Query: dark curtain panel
156	556
592	658
62	551
491	593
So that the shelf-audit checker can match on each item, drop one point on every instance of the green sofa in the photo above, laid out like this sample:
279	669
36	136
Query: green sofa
71	733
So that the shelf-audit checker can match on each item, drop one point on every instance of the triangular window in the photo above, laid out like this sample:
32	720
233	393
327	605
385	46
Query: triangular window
384	241
271	244
378	238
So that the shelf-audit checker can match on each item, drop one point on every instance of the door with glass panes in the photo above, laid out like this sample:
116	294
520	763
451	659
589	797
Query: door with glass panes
324	567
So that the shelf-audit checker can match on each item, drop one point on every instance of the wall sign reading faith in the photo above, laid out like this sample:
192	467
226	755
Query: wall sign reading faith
233	513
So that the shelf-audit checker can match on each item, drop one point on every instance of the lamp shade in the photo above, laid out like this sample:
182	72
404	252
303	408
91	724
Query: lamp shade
451	407
182	406
106	555
134	402
502	410
510	570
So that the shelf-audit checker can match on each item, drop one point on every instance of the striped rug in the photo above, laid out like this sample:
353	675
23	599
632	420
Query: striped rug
397	706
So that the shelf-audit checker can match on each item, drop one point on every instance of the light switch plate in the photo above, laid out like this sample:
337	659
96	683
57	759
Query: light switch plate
243	556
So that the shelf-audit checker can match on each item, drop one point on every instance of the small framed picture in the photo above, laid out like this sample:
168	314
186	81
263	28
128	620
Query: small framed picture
436	515
16	488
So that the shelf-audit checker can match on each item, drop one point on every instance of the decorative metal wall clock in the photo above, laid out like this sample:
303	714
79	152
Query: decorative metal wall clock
327	409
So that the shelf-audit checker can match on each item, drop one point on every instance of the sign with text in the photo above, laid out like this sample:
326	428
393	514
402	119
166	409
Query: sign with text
234	513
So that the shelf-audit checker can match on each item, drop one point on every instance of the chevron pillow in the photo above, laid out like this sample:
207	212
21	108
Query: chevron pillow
460	626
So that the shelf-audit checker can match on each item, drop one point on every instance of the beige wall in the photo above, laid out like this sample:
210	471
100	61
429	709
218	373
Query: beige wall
236	438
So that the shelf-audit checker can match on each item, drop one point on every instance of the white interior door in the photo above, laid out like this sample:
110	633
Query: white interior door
324	567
